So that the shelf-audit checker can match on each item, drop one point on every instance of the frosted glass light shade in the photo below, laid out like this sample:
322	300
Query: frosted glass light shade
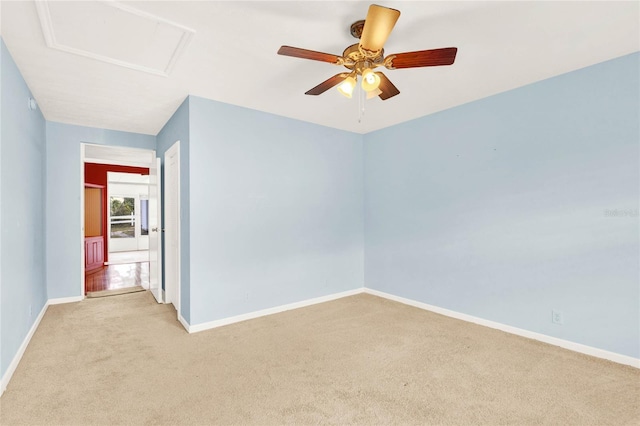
370	80
347	86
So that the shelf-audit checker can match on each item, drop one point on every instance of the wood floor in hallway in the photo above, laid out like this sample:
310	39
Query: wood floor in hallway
115	277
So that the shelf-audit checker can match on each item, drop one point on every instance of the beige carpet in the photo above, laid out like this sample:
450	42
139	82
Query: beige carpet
358	360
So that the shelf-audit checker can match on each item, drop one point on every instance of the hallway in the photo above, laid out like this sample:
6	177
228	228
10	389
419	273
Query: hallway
118	277
121	257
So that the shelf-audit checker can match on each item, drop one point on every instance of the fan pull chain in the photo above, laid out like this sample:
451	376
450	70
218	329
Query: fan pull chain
361	103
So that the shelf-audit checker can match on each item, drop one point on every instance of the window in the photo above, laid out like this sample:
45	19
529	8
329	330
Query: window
123	217
144	217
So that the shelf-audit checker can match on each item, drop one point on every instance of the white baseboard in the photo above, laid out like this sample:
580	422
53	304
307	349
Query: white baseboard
18	356
184	322
61	300
566	344
576	347
23	347
251	315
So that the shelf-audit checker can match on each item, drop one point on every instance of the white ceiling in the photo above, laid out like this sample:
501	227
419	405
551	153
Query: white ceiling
232	57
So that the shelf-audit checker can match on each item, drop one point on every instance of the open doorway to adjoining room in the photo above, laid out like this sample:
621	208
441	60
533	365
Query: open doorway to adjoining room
116	220
116	229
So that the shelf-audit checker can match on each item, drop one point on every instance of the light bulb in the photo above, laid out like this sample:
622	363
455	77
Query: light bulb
370	80
347	86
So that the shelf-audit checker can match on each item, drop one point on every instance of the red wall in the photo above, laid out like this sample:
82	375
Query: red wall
96	174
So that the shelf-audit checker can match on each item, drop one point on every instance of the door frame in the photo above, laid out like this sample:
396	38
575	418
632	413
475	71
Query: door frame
170	254
106	154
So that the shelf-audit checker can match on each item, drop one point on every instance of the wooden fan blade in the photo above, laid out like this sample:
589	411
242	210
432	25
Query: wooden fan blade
296	52
422	58
327	84
387	87
377	27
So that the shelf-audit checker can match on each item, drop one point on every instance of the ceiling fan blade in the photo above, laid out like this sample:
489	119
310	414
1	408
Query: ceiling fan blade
377	27
387	87
327	84
422	58
296	52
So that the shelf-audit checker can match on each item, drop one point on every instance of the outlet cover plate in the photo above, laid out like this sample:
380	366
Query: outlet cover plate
557	317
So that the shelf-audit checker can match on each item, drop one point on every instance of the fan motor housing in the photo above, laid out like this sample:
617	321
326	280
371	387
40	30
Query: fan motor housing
357	59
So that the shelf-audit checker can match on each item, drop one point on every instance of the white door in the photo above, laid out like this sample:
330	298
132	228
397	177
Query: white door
172	225
143	237
155	234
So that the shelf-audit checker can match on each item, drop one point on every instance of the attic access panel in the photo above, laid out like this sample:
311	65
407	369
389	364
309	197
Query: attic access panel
114	33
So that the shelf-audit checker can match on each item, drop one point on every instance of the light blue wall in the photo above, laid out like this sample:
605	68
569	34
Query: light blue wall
22	163
64	251
276	210
177	129
498	208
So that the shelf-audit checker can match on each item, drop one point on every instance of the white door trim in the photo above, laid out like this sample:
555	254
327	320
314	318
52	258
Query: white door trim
172	254
82	253
106	154
155	231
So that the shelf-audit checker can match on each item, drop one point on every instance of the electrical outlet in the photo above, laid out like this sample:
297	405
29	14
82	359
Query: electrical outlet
557	317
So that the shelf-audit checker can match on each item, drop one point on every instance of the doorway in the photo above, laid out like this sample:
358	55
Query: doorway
132	169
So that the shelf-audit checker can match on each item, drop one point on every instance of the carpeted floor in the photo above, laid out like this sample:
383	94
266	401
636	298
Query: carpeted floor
357	360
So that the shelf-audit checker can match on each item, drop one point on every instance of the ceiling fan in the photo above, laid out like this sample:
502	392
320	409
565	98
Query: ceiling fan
363	57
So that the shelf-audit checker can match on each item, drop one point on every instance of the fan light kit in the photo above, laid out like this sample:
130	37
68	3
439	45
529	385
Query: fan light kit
363	57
